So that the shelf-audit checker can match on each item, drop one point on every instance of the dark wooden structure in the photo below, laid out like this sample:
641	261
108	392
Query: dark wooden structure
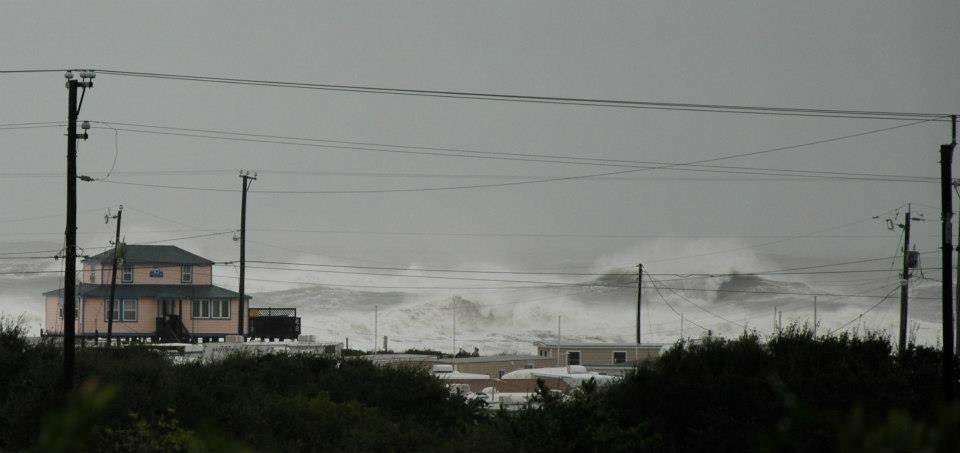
273	324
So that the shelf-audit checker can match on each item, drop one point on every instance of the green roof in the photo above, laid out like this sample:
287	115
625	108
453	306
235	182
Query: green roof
151	254
158	291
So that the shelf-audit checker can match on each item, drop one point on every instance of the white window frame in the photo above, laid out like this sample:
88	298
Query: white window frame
186	273
614	357
124	272
579	358
214	308
223	308
136	309
119	310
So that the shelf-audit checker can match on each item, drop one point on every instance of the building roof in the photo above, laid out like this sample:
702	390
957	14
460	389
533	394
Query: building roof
493	358
586	345
412	359
159	291
151	254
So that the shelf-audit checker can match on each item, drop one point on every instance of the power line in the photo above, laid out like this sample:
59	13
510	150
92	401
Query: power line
474	154
695	304
757	176
638	165
860	316
51	216
29	272
560	235
764	244
789	271
31	125
587	274
664	299
318	284
557	284
182	237
32	71
26	257
518	183
596	102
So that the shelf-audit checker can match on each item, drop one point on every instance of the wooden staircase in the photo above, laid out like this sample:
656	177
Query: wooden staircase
170	329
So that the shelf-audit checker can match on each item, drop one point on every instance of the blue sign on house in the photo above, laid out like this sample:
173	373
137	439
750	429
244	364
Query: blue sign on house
156	273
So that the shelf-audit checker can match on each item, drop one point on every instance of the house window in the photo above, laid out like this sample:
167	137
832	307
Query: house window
126	275
211	309
186	274
573	357
220	309
93	275
124	310
619	357
130	310
201	309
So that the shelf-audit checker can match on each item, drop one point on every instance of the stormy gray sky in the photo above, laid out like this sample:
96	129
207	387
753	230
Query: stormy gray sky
870	55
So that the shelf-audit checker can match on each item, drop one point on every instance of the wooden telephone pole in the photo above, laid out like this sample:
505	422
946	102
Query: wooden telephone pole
117	260
639	297
946	200
909	262
70	234
247	180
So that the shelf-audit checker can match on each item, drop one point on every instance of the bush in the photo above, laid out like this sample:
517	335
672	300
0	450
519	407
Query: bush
791	392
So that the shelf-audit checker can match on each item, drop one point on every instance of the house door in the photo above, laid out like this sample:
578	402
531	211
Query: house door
168	307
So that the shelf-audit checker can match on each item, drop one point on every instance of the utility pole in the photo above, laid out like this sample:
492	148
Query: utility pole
953	144
376	324
558	340
117	250
814	316
639	297
681	326
247	180
453	308
70	269
946	199
905	278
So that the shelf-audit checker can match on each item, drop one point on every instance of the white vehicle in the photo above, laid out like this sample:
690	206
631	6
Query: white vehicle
572	375
510	401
